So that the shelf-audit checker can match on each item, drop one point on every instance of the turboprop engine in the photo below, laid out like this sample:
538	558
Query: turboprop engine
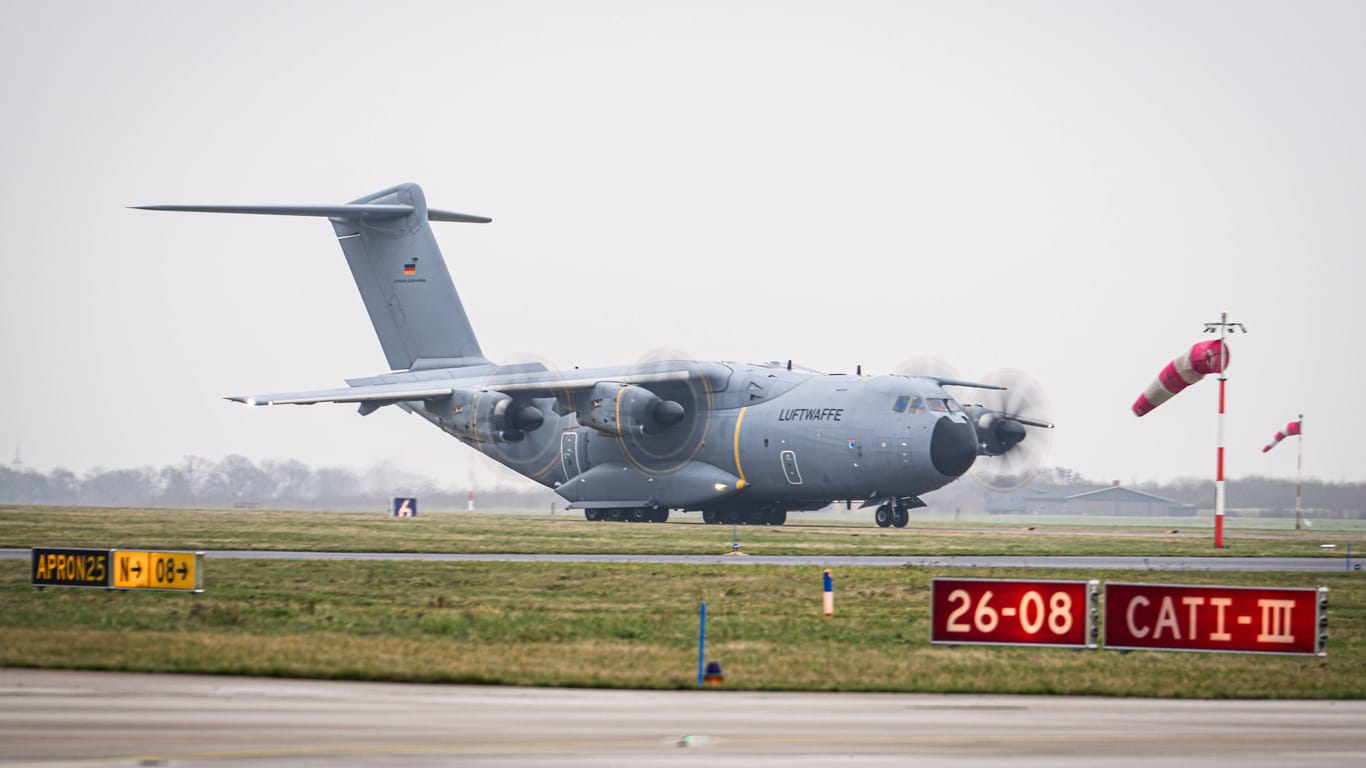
617	409
997	432
483	415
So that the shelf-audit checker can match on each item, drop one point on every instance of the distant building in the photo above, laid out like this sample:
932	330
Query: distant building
1124	502
1087	500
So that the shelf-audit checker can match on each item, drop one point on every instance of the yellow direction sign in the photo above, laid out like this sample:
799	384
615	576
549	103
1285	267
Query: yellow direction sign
174	570
158	570
130	569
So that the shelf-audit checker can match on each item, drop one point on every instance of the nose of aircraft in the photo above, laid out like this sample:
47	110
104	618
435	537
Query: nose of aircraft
953	447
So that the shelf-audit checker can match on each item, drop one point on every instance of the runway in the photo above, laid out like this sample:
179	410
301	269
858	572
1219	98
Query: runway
1301	564
50	718
1264	564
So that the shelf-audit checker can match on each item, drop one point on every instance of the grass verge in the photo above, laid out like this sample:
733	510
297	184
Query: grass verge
574	624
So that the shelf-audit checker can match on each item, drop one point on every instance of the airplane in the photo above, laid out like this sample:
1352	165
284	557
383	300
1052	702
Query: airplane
739	442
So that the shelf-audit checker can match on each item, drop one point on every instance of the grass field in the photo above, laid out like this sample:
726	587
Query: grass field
610	625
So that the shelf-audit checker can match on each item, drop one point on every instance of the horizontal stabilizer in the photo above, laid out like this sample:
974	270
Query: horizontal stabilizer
403	280
361	211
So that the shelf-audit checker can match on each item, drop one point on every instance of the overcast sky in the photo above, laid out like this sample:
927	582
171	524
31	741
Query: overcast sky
1071	189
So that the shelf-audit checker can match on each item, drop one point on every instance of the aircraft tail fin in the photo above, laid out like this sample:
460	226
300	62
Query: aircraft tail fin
398	268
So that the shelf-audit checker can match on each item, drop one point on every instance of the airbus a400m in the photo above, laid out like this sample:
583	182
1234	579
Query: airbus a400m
739	442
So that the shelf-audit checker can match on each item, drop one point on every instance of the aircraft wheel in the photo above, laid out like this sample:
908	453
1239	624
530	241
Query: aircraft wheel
901	516
709	517
883	516
775	516
616	515
660	516
639	515
592	515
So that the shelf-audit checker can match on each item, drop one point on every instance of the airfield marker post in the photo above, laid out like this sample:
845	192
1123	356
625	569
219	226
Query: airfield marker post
701	644
828	600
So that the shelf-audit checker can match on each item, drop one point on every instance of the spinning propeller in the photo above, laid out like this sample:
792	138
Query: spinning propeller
1013	424
674	413
527	411
1013	430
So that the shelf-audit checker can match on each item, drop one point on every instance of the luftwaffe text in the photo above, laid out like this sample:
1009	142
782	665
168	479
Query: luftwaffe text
811	414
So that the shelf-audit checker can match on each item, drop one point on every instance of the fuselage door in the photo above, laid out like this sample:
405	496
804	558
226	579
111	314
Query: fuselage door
569	454
794	476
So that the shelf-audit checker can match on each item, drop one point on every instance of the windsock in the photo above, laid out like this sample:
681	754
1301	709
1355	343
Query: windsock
1190	367
1293	428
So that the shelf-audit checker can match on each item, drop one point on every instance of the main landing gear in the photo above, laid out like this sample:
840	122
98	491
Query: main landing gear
639	515
892	514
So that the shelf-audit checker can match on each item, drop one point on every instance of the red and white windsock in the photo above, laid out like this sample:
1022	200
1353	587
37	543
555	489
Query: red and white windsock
1293	428
1190	367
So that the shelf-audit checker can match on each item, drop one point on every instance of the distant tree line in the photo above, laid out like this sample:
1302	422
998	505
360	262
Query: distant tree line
236	481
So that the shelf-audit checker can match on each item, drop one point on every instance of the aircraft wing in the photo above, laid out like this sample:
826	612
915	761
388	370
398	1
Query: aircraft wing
368	393
549	385
555	384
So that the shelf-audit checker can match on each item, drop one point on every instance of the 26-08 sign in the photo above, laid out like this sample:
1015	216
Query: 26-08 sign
1014	612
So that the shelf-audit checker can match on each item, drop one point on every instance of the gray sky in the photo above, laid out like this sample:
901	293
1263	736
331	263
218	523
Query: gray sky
1071	189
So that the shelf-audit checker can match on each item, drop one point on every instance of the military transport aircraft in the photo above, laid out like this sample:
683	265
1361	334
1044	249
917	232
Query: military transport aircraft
742	443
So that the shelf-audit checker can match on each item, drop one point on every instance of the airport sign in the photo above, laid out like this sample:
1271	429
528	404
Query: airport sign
158	570
1014	612
1175	617
70	567
117	569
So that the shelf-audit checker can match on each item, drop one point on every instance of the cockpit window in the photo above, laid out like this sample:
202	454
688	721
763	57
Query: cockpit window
910	403
953	406
938	404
